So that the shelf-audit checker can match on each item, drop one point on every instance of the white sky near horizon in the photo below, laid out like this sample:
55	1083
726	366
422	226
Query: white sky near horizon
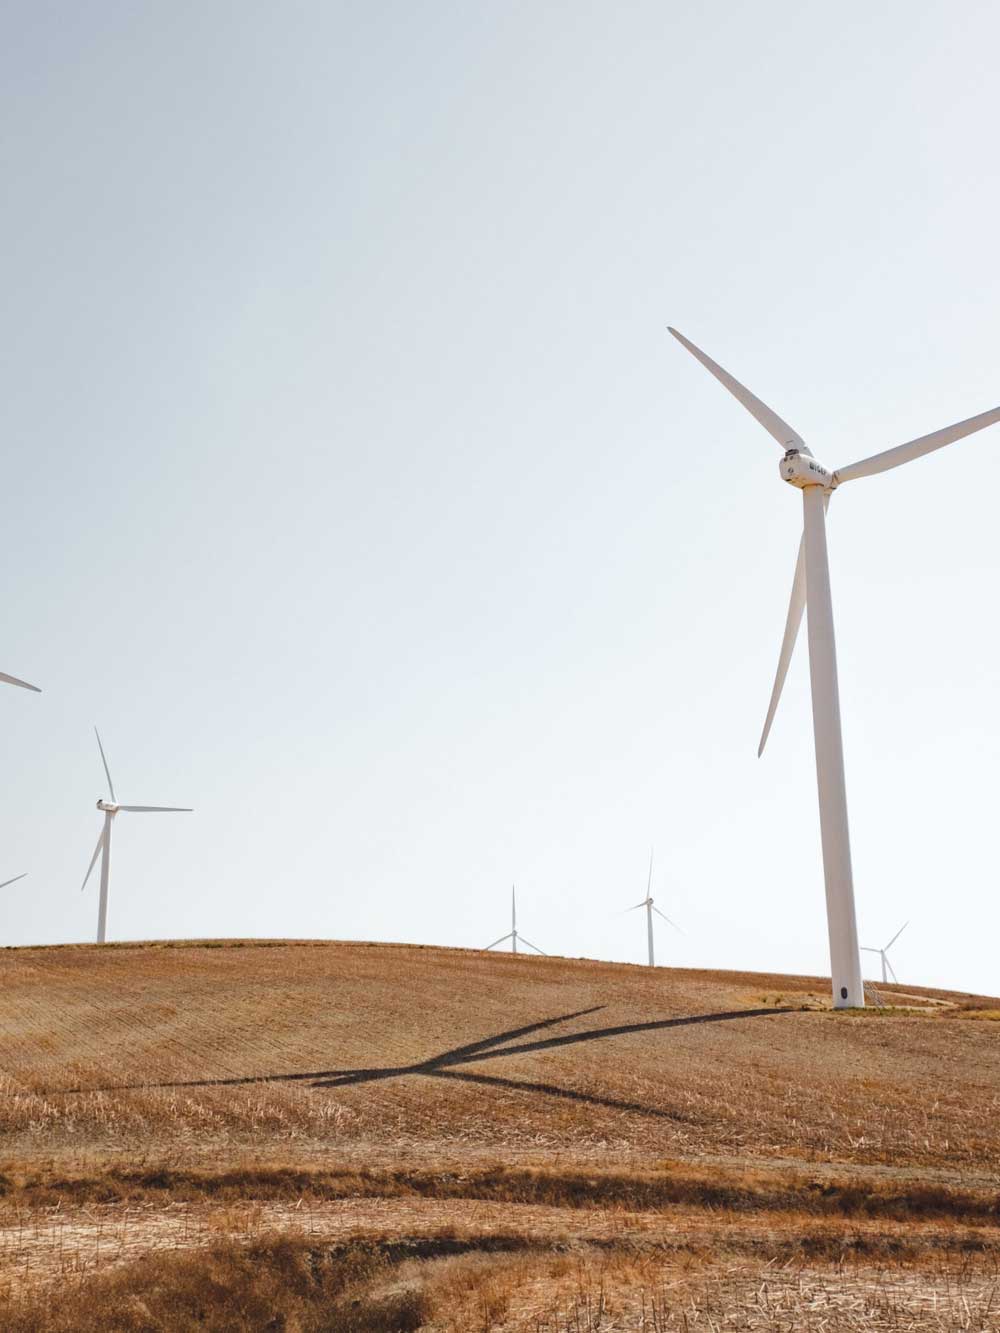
354	488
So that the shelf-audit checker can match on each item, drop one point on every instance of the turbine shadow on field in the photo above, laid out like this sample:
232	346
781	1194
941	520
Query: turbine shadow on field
487	1048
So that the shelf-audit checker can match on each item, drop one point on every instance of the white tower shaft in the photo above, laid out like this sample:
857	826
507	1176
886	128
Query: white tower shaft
102	910
845	957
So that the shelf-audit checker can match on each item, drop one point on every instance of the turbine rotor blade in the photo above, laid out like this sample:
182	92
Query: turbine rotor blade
13	881
93	859
635	908
893	971
796	606
501	940
649	877
157	809
667	920
896	936
107	771
926	444
532	946
772	423
13	680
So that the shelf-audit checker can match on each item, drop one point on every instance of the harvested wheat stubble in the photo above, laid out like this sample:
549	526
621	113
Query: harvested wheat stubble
185	1098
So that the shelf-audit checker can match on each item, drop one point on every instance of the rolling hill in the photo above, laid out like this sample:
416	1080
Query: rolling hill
548	1119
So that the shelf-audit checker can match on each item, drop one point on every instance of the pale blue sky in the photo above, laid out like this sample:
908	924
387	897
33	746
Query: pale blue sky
355	489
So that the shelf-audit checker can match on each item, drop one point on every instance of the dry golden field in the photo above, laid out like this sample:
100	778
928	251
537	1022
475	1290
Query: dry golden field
313	1135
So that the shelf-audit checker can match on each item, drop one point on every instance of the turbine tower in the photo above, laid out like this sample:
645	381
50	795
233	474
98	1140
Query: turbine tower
651	907
103	848
887	967
512	934
811	585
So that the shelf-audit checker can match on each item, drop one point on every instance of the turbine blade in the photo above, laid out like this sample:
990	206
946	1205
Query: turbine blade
13	680
796	606
667	919
896	936
13	881
499	941
93	859
107	771
865	949
532	946
157	809
649	877
926	444
635	908
893	971
772	423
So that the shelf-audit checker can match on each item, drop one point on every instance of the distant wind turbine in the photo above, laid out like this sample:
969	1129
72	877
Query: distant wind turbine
887	967
651	907
110	809
512	934
811	584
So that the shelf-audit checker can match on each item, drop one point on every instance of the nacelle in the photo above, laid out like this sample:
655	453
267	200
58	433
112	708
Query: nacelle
801	469
107	807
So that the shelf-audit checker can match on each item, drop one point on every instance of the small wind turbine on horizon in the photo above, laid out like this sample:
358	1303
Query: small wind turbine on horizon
651	907
513	934
883	953
103	848
811	584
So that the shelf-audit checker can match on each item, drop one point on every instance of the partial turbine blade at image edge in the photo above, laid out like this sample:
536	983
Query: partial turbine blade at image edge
772	423
796	606
157	809
107	771
93	860
926	444
23	684
14	880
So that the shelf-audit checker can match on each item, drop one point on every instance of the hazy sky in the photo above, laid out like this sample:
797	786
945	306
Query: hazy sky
356	491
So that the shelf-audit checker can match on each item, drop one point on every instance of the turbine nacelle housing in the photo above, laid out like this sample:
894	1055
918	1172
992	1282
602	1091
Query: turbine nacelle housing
799	468
108	807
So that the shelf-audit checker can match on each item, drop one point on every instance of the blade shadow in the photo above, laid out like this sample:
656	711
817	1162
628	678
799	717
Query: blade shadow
486	1048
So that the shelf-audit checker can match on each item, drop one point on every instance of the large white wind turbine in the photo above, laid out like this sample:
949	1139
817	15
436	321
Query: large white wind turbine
883	953
512	934
103	848
651	907
811	585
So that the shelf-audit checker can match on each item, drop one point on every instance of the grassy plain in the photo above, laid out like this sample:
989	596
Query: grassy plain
310	1135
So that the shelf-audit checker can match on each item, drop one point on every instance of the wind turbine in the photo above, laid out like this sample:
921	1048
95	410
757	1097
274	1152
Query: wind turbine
811	584
512	934
651	907
103	848
887	967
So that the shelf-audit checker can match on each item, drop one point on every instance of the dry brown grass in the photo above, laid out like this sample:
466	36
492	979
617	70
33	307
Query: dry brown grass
240	1117
506	1282
178	1052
